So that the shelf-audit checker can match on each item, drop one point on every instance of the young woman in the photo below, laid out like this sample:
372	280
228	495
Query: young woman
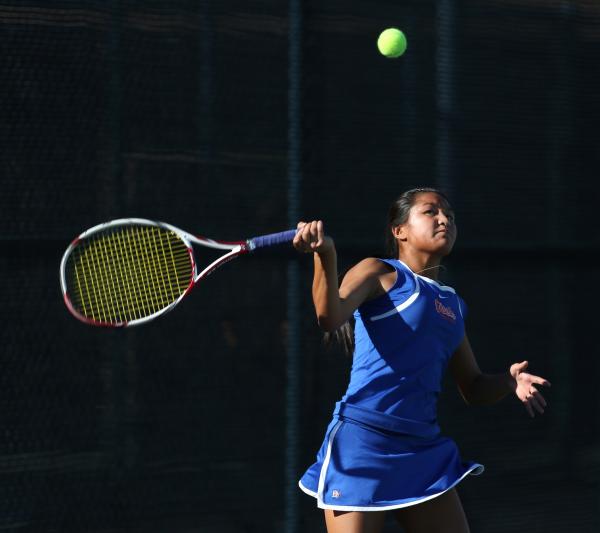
383	450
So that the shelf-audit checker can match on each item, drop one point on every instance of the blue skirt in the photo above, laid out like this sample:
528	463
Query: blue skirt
371	461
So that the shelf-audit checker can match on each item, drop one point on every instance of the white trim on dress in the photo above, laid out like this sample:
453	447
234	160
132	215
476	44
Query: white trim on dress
429	280
404	304
321	485
475	470
415	295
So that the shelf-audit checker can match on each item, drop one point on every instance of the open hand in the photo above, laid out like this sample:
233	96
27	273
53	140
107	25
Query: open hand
525	389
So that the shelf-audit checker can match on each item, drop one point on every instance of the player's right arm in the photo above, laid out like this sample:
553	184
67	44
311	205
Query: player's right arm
333	305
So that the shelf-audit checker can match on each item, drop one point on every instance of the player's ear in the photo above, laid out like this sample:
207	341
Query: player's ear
399	232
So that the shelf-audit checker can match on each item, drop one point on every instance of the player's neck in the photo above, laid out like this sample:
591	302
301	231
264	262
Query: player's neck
424	265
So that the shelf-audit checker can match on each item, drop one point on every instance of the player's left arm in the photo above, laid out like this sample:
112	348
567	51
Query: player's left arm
478	388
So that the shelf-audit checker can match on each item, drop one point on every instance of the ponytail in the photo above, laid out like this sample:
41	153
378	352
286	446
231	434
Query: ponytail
343	337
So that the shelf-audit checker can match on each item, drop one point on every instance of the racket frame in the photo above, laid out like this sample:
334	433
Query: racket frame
235	249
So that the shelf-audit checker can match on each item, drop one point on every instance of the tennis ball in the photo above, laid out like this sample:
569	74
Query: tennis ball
392	42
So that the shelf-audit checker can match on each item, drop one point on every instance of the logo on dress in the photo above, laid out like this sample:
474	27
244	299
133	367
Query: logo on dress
335	493
446	312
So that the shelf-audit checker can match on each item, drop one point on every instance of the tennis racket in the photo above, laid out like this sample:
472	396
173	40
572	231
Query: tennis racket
129	271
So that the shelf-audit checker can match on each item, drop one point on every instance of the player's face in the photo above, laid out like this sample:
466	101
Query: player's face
430	226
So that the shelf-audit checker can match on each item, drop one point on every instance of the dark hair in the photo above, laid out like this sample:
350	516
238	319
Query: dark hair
343	337
397	215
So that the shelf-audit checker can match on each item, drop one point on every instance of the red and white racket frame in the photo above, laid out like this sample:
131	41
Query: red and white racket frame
235	249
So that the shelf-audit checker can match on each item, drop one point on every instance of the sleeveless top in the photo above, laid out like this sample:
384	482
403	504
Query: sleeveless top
403	342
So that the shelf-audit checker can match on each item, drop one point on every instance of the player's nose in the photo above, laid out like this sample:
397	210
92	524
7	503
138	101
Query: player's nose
443	218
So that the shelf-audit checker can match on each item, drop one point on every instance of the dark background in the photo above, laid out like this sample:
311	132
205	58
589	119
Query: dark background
183	111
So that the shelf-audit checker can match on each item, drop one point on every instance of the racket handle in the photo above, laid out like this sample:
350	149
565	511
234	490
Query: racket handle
272	239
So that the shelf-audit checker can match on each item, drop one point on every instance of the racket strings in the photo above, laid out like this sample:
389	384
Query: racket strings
128	273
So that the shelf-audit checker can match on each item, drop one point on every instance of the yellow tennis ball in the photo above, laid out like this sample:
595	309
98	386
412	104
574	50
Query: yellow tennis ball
392	42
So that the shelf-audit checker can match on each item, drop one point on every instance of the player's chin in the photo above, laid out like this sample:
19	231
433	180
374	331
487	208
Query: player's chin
444	247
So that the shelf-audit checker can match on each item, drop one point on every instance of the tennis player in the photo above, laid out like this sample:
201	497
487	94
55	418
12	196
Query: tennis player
383	450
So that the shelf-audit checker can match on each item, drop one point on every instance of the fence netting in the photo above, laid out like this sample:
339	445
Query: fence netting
178	111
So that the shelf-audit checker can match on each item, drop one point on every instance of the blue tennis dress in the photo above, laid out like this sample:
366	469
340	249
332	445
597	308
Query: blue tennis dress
383	449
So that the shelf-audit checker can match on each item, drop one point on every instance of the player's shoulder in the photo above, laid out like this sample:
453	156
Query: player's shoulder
372	266
368	270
